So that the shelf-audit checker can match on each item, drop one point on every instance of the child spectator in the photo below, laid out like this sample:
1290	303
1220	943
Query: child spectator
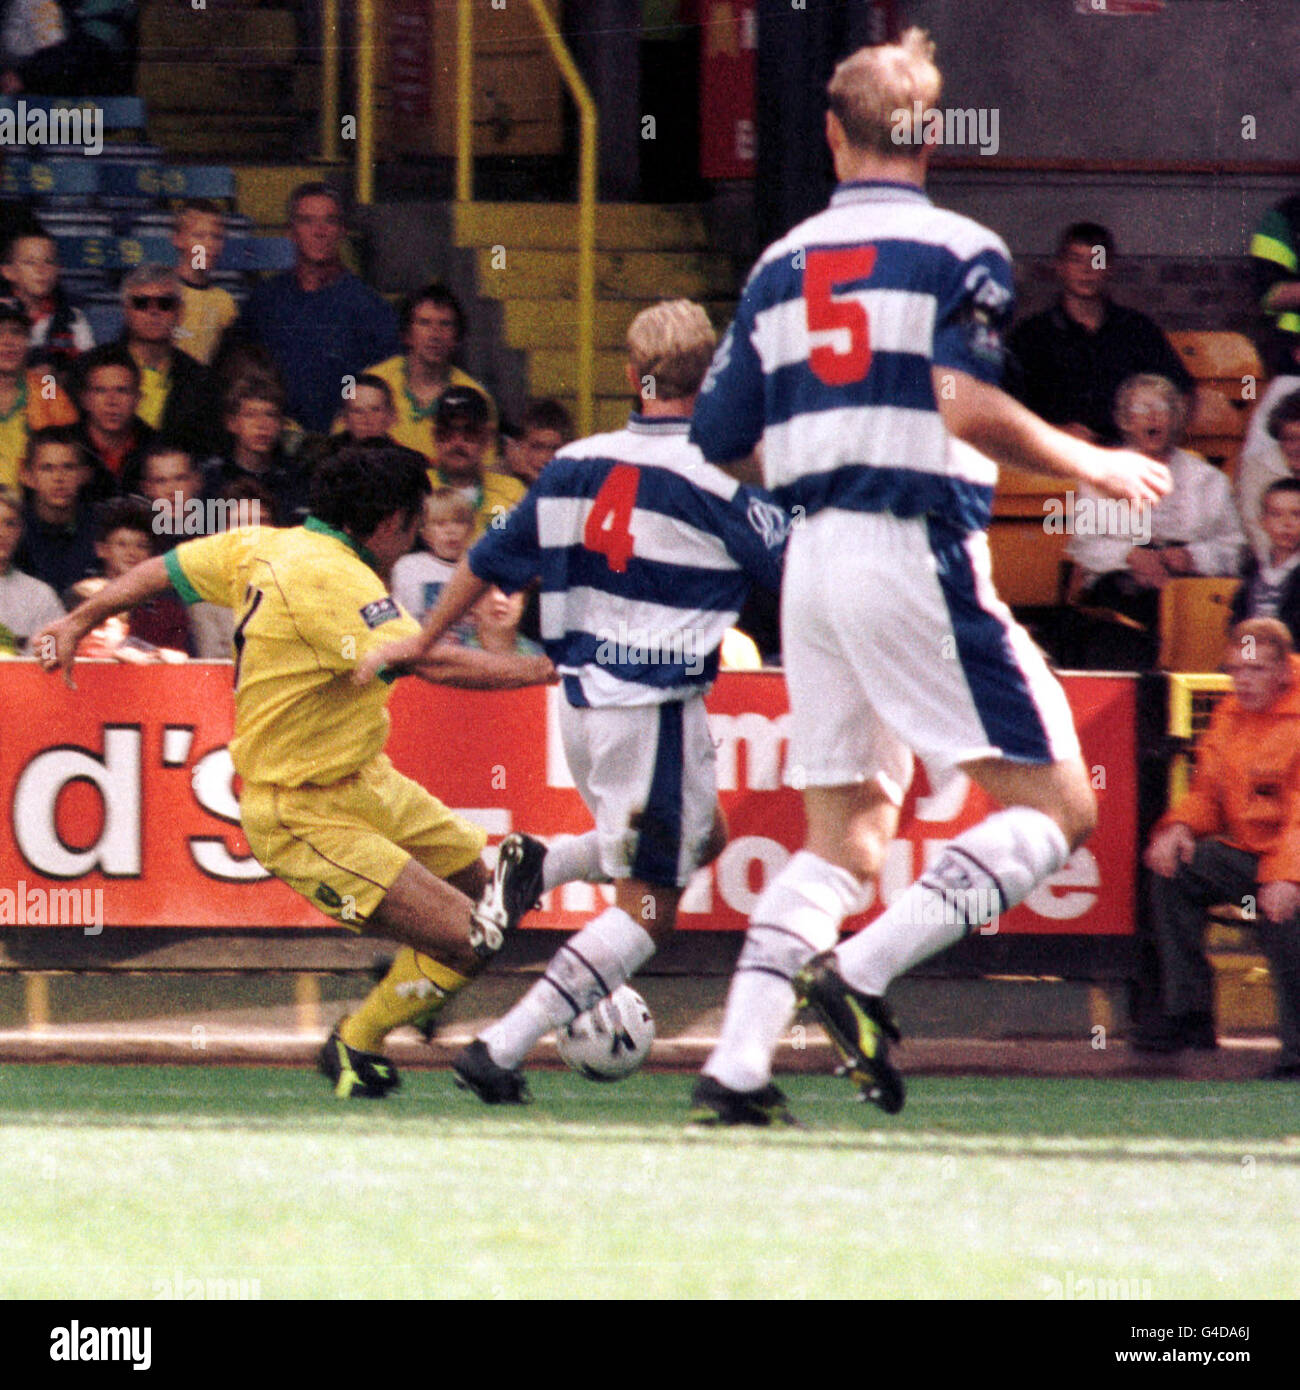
26	604
254	420
59	332
1271	450
206	309
495	624
58	544
171	482
368	413
124	538
446	531
1271	588
30	400
115	439
547	427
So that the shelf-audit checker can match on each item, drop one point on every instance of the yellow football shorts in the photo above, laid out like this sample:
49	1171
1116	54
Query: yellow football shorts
343	845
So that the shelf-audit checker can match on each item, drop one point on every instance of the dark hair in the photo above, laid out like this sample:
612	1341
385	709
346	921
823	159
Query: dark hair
209	207
433	293
1282	485
255	386
1086	234
65	435
316	189
161	447
547	414
123	514
109	355
33	233
1285	412
375	383
364	482
247	489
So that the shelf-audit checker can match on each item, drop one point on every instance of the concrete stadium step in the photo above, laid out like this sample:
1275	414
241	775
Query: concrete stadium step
179	30
608	412
553	372
619	275
552	323
554	226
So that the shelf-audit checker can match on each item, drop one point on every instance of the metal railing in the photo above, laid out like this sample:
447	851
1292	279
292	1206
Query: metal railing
588	136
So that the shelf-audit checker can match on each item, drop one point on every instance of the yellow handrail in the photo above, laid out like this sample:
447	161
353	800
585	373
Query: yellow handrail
588	136
329	82
365	175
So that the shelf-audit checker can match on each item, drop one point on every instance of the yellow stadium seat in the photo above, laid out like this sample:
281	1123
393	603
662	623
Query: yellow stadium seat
1194	619
1208	356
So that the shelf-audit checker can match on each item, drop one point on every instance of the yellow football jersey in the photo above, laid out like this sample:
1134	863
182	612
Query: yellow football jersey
308	606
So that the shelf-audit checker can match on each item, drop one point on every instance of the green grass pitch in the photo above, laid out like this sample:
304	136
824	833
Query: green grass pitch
130	1182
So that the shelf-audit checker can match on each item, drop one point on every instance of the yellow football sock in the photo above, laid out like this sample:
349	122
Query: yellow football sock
415	987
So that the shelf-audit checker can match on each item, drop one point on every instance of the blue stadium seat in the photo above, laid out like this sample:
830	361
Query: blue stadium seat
49	182
118	114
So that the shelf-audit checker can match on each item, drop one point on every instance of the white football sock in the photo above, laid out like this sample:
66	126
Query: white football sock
605	953
572	859
798	915
985	871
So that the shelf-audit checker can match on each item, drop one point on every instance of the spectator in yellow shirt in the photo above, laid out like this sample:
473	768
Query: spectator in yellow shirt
206	309
464	433
433	328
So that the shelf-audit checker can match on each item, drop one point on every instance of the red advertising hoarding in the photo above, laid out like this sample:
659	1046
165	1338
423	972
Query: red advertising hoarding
125	785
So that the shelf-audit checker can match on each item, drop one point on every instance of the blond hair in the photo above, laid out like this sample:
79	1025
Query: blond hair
672	344
447	504
874	92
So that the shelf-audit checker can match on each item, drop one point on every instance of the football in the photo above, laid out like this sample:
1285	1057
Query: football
610	1041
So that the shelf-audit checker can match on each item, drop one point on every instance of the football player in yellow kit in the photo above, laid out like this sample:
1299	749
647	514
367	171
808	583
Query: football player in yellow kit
321	805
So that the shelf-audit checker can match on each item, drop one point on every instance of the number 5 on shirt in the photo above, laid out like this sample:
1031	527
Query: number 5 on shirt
609	523
833	363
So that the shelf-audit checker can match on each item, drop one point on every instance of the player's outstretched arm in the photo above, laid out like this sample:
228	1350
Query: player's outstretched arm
470	669
55	644
989	420
461	592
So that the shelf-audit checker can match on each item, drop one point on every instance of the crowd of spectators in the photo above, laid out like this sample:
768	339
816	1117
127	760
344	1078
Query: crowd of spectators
113	452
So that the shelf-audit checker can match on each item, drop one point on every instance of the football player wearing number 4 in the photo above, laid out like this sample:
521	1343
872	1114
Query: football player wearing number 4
645	555
864	355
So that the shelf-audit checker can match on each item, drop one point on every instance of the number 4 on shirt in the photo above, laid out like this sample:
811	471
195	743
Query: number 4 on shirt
609	523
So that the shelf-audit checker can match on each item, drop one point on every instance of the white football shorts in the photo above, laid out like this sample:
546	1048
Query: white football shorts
647	775
895	642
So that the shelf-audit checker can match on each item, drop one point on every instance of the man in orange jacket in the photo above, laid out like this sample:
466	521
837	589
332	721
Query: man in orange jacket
1235	837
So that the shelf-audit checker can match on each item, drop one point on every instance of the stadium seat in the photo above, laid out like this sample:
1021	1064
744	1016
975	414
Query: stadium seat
49	183
1223	365
1027	557
1194	619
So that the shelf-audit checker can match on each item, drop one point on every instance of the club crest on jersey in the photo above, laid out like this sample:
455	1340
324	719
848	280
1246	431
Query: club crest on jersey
770	521
383	610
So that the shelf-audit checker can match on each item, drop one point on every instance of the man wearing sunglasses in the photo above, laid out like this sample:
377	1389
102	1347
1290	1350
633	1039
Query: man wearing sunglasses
176	395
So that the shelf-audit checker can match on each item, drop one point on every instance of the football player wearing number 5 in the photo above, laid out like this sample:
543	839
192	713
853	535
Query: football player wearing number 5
645	555
321	805
865	356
